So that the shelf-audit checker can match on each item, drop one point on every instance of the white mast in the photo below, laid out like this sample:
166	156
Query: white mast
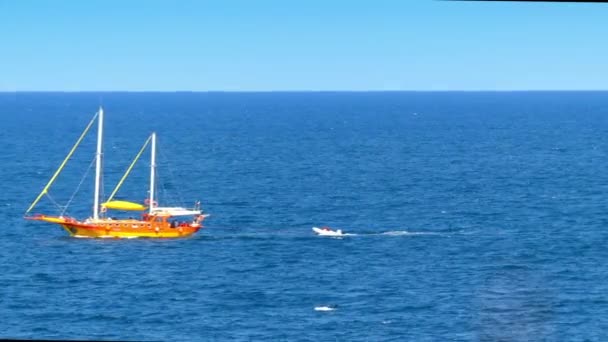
152	171
98	164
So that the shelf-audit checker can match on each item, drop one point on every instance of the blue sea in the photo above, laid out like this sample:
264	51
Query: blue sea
476	216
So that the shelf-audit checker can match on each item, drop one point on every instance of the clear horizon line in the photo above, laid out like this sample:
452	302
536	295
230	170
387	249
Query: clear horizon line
309	91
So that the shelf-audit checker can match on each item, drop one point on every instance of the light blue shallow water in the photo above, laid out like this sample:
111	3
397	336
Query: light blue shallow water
479	216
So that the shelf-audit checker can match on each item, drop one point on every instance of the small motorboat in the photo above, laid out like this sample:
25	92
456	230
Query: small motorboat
326	231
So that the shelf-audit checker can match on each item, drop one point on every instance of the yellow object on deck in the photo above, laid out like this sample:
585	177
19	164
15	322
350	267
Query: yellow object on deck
123	205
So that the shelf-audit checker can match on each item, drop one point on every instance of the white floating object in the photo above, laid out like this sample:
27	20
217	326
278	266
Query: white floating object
324	308
326	231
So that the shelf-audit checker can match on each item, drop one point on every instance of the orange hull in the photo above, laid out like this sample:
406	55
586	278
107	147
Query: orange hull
155	227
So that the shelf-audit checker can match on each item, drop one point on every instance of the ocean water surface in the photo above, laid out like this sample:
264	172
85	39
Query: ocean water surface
476	217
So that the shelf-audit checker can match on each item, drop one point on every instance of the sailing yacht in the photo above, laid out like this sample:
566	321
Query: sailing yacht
155	222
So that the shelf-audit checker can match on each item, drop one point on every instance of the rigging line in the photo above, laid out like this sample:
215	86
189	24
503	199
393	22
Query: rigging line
48	185
78	187
169	197
53	201
173	179
162	192
129	169
161	189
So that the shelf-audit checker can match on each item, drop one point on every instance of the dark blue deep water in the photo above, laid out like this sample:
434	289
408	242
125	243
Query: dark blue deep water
479	217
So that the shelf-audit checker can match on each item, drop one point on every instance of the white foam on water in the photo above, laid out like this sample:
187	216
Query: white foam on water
324	308
405	232
396	233
387	233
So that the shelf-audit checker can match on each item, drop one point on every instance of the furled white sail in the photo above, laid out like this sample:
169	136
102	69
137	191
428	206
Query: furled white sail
174	211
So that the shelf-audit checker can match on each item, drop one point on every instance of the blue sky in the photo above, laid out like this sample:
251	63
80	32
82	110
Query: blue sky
245	45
